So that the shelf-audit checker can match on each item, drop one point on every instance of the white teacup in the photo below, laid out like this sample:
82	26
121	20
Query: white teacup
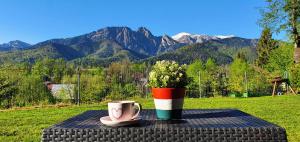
123	110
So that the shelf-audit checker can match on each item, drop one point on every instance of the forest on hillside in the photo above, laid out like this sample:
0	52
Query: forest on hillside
23	84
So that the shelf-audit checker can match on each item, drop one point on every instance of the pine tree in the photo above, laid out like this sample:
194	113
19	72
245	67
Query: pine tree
265	45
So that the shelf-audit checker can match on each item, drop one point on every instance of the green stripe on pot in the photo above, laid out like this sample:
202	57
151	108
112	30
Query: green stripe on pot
168	114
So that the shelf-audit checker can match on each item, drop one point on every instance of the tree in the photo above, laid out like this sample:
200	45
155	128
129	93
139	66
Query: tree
92	87
208	73
241	56
265	45
295	77
281	59
119	72
210	65
284	15
50	69
194	71
7	91
92	84
236	78
32	91
211	77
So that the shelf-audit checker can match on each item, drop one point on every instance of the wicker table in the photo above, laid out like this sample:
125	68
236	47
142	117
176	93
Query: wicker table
196	125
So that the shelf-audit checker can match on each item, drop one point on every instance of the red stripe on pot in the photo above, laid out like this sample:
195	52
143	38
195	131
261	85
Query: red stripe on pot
168	93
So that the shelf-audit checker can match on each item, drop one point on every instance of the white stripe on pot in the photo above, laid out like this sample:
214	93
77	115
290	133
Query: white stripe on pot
168	104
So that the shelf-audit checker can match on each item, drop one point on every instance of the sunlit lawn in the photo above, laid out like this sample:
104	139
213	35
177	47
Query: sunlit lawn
26	125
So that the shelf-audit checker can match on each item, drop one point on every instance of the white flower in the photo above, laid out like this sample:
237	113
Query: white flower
167	74
180	74
152	74
166	77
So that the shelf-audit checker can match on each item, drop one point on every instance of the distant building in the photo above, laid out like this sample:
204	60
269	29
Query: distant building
61	91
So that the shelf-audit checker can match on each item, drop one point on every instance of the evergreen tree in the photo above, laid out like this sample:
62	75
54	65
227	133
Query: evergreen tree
264	47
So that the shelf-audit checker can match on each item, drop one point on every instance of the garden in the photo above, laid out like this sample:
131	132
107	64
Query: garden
263	81
26	124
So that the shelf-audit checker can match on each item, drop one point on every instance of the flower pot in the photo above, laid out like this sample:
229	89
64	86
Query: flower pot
168	102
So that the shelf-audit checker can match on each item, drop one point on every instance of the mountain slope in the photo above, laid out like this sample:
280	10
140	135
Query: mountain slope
52	50
103	53
234	45
190	53
238	42
108	52
14	45
222	50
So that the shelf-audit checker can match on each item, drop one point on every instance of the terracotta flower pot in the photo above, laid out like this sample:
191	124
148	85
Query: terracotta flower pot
168	102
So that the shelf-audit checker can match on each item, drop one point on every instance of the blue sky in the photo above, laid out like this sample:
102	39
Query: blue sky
34	21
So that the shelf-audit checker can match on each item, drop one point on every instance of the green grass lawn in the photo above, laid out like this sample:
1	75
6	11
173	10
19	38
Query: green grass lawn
26	125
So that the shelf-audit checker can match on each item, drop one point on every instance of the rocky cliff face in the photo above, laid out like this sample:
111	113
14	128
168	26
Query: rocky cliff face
141	41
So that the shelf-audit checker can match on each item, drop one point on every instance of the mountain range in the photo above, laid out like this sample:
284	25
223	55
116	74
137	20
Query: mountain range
14	45
112	44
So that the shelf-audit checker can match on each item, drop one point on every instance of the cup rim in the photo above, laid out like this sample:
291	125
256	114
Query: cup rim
121	102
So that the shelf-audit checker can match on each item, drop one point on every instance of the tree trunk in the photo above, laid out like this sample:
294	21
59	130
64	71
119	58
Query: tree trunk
297	45
297	49
294	15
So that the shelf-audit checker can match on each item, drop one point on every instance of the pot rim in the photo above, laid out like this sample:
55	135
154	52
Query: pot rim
170	88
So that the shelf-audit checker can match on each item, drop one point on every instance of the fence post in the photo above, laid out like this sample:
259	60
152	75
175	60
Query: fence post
200	94
246	82
78	86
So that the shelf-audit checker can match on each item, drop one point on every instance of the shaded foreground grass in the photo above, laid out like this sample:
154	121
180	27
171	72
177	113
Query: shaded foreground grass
26	125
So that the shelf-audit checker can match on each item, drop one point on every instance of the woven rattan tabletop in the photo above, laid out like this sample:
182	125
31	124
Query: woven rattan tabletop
195	125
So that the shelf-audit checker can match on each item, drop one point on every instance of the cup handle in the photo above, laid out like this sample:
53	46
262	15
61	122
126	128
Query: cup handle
137	105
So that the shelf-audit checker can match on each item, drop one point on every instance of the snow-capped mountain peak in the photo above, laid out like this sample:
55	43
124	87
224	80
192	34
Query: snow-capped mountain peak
179	35
224	36
188	38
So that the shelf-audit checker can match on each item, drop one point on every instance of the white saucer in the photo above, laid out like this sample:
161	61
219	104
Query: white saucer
108	122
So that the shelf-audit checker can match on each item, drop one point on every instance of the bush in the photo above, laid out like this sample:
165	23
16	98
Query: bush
114	95
130	90
32	91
